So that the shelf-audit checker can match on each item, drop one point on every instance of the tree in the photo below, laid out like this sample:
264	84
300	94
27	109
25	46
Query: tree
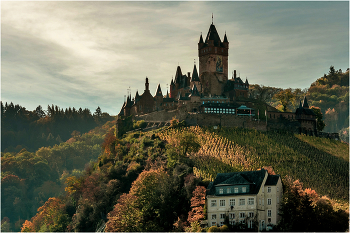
320	123
40	112
285	97
98	112
197	204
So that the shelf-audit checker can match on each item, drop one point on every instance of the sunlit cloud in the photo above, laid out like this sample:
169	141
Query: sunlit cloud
87	54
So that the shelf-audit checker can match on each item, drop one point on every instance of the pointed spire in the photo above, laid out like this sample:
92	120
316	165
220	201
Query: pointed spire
305	104
213	35
178	75
159	91
246	80
300	106
195	74
201	39
212	18
225	38
167	94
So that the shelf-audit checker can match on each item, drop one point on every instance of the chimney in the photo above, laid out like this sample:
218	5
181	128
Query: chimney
234	74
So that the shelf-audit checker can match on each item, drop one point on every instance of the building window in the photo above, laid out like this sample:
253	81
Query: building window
236	190
277	189
269	201
259	201
228	190
221	191
244	189
213	223
221	224
222	202
251	201
222	216
269	213
269	189
241	201
232	223
232	202
241	215
232	216
213	202
251	215
263	201
250	224
213	216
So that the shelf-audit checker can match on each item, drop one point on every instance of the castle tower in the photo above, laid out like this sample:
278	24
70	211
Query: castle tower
213	62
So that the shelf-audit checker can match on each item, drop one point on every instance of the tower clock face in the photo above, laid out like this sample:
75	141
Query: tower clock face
219	66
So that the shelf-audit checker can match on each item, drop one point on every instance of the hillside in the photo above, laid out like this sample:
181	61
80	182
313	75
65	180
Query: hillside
127	166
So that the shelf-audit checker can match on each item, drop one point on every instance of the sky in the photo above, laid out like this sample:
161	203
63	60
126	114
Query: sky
88	54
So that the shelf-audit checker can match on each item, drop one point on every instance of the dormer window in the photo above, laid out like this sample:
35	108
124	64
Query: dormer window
244	189
236	190
221	191
228	190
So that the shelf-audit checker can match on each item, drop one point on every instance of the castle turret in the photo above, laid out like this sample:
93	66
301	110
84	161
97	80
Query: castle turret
146	85
195	79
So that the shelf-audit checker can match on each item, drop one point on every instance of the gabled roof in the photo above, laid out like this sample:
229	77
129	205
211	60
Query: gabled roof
213	35
255	178
195	77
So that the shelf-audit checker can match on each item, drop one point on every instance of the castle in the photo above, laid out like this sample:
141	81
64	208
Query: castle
208	90
209	98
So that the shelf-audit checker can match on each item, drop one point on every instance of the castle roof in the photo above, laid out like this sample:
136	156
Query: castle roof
305	104
201	39
225	38
213	35
304	110
178	75
194	91
159	91
195	75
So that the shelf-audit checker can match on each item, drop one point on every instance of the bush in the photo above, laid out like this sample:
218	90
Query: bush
214	229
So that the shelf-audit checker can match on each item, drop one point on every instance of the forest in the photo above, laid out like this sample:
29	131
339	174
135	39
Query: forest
329	93
137	182
21	128
69	170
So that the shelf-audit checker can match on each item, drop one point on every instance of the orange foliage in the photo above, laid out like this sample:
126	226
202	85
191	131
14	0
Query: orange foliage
197	203
27	226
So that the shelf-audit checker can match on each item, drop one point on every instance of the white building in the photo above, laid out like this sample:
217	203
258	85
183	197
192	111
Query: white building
245	197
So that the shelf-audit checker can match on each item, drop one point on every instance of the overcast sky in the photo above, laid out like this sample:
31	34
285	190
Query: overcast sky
87	54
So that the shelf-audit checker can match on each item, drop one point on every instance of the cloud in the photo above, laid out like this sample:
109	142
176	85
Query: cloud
85	54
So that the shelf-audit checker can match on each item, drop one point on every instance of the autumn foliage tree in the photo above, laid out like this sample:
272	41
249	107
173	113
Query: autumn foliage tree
197	204
304	210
